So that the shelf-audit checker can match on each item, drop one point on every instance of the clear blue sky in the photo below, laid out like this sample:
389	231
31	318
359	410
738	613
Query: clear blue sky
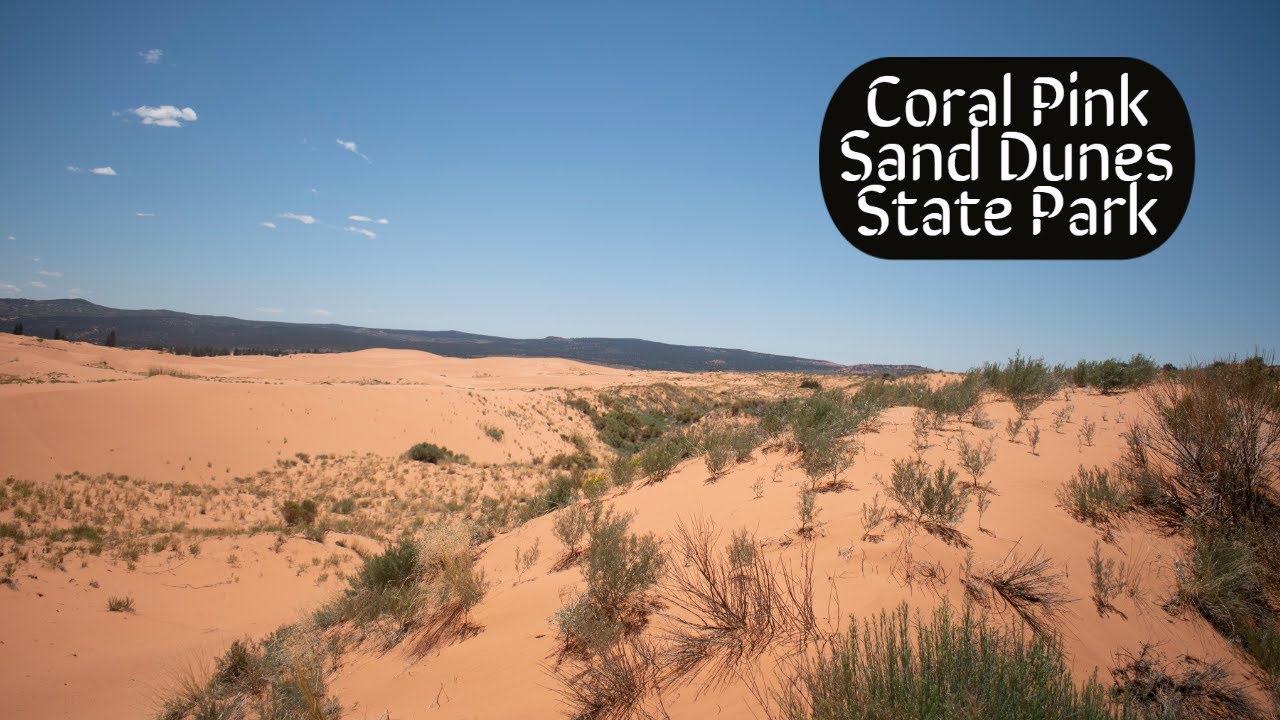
602	169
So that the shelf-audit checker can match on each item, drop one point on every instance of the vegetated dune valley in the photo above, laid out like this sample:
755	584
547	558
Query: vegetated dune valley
395	534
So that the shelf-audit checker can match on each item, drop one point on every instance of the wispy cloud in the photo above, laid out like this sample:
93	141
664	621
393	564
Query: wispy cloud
37	284
76	292
269	310
267	224
350	146
49	273
9	288
145	214
152	56
367	219
304	219
164	115
361	231
105	170
11	237
321	312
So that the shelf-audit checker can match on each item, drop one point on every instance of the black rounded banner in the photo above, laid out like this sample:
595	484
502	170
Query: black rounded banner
1006	158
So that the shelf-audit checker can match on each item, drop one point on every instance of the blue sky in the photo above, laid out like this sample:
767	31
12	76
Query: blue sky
597	169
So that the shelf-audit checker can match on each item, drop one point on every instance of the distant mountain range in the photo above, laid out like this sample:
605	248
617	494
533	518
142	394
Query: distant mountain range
216	335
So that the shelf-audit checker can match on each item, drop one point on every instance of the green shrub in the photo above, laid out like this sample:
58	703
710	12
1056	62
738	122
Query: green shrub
819	425
975	458
426	452
12	531
810	384
345	506
299	513
1093	497
621	470
570	525
949	667
571	462
495	433
1025	382
929	495
661	457
397	565
1113	375
618	568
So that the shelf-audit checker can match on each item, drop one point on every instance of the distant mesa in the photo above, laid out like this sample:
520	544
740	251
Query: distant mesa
185	333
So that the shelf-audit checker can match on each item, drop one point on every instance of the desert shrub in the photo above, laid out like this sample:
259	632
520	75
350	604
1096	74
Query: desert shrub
819	424
120	604
557	493
594	486
976	457
807	512
956	397
1212	445
345	506
661	457
238	665
495	433
296	512
1105	580
1093	496
928	495
723	444
1190	688
629	419
612	684
1025	382
618	568
1031	586
1113	375
572	461
426	452
810	384
1013	427
12	531
955	665
727	605
1221	579
570	525
395	566
621	470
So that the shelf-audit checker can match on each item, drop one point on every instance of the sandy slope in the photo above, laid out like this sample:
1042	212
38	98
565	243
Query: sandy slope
63	655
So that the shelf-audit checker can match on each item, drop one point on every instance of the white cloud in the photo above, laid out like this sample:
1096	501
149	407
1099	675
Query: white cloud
361	231
367	219
350	146
37	284
304	219
145	214
8	288
321	312
12	237
47	273
269	310
164	115
107	170
75	292
267	224
152	56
